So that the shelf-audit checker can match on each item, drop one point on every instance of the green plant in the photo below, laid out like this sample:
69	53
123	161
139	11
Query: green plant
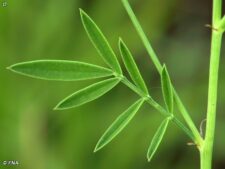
74	71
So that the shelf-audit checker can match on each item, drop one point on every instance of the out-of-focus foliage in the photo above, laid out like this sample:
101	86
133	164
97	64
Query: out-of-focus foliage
41	138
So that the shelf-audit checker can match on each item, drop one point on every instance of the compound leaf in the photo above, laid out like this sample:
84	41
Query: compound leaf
119	124
100	42
60	70
132	67
87	94
157	139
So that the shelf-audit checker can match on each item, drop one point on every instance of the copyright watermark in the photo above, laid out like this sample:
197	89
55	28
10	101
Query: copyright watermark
10	162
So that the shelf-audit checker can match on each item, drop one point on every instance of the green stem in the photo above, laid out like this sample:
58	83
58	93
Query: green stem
207	149
221	25
158	107
197	137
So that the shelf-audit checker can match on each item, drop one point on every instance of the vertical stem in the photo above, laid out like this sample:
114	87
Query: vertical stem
207	149
212	100
217	10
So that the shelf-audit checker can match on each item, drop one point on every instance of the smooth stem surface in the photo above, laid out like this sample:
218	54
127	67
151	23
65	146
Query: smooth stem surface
207	149
216	13
197	137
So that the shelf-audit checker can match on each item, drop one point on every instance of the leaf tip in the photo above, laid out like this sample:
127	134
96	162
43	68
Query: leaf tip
62	105
122	46
97	148
82	15
59	107
165	71
164	67
121	43
12	67
120	40
9	68
149	157
81	11
55	108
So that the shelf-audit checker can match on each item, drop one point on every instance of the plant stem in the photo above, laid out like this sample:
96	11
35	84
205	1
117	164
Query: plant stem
158	107
207	149
197	137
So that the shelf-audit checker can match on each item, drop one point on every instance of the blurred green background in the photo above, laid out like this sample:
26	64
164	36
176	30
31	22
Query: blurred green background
40	138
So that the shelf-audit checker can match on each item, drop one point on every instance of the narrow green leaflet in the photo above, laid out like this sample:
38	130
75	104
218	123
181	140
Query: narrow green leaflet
60	70
87	94
100	42
167	89
119	124
132	67
157	138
